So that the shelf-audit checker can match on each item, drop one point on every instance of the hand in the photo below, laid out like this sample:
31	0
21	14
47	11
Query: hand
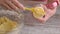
12	4
49	13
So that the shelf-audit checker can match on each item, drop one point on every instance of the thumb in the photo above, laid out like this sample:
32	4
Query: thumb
44	7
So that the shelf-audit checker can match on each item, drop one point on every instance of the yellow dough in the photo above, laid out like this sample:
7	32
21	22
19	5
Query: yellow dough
37	11
6	25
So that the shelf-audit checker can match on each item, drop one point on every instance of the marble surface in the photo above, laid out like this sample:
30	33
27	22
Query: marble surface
32	26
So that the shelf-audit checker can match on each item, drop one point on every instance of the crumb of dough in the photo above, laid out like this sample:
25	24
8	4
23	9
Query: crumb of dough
6	25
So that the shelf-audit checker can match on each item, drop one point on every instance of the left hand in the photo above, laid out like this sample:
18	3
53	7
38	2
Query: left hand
12	4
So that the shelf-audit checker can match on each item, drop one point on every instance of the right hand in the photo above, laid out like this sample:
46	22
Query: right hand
49	13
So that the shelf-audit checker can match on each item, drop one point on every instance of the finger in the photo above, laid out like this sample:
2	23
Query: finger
18	4
42	20
11	5
45	8
4	4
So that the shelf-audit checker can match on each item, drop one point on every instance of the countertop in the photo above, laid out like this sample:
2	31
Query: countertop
32	26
